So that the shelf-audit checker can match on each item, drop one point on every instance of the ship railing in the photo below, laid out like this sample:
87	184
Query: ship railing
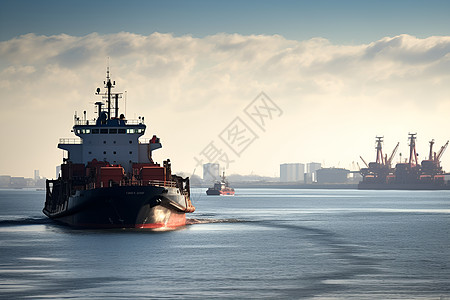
160	183
144	141
71	141
149	141
84	122
94	122
135	122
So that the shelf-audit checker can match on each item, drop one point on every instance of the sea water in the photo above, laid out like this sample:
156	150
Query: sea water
261	243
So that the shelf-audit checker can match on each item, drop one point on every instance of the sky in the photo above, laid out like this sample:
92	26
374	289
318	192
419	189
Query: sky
302	81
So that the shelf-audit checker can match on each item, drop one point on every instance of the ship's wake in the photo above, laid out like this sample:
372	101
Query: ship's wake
25	221
211	221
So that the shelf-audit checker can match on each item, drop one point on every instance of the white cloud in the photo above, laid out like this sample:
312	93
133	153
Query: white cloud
336	98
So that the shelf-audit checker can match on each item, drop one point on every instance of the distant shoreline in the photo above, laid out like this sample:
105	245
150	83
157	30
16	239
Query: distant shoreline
279	185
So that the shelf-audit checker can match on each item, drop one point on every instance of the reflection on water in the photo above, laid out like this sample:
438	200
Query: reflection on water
43	258
288	244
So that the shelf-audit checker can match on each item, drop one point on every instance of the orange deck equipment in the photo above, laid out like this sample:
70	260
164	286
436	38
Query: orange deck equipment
152	173
110	175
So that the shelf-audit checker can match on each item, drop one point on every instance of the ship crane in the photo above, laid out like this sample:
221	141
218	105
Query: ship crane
408	173
389	161
441	151
364	161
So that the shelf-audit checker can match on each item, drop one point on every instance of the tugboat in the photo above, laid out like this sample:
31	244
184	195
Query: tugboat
109	179
220	188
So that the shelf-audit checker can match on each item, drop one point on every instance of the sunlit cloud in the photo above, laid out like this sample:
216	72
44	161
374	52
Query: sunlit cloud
189	89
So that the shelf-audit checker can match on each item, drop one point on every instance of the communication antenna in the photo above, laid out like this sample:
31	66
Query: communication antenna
125	100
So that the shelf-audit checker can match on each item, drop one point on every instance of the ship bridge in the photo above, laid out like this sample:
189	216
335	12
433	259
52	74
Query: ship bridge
111	139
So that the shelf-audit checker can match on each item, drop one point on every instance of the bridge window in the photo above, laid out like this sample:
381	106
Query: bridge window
122	130
103	130
83	131
95	131
135	130
113	131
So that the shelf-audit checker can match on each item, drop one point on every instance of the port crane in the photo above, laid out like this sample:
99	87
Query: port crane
411	174
379	170
380	159
364	161
441	151
434	158
389	161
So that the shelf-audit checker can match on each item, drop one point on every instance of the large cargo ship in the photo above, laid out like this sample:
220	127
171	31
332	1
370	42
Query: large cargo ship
108	178
408	174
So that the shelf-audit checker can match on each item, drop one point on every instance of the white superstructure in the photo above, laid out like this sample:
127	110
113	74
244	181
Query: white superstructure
110	139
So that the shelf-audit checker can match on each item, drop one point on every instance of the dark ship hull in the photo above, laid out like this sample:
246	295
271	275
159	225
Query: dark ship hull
212	192
151	207
224	192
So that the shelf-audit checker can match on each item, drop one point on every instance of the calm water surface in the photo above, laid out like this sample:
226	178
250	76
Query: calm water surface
262	243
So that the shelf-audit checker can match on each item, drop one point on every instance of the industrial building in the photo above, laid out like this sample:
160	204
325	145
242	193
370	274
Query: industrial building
36	175
332	175
311	172
293	172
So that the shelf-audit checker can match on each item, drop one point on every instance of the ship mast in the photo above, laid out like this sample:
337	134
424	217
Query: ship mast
430	155
109	85
412	149
380	158
108	96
